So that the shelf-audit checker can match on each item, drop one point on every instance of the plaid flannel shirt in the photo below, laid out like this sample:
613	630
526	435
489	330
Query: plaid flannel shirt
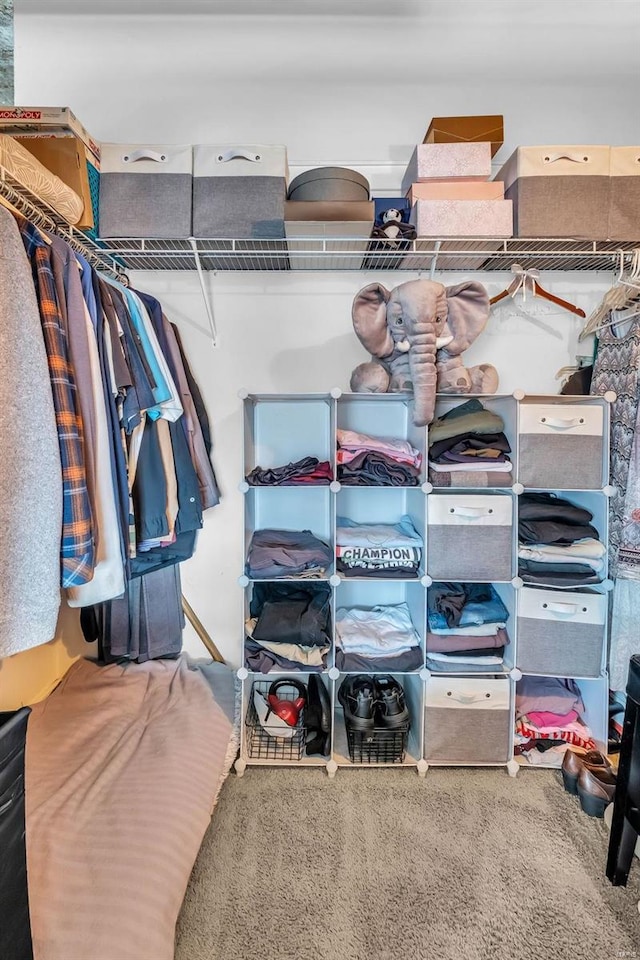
77	546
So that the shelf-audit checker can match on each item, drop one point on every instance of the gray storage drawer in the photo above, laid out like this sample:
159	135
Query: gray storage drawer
468	720
561	634
145	190
561	446
470	537
239	191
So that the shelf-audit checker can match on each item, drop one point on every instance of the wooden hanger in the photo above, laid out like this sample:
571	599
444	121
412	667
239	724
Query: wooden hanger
528	280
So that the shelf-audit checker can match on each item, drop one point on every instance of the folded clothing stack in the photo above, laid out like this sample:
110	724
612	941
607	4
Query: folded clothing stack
309	470
287	553
468	448
365	461
558	545
289	627
382	638
549	714
465	628
387	550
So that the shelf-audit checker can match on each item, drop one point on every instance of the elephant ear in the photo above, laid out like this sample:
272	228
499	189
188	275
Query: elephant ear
369	314
468	314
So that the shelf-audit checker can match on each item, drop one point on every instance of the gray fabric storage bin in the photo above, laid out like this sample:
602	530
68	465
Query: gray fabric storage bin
558	191
145	190
561	634
470	537
330	183
467	720
239	191
561	446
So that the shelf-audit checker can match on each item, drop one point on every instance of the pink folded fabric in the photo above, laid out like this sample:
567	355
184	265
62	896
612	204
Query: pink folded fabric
544	718
454	643
400	450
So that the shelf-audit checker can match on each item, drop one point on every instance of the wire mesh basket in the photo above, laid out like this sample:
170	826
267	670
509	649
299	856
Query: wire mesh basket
379	745
265	740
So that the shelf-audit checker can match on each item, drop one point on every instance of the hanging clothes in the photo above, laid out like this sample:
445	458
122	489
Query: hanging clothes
31	501
617	368
131	476
77	546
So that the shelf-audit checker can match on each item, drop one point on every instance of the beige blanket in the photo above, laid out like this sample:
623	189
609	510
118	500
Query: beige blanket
123	766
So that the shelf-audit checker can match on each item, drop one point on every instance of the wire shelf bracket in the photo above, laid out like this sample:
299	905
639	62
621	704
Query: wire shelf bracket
208	305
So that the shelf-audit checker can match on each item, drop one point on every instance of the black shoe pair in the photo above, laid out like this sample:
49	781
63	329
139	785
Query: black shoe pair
370	702
317	718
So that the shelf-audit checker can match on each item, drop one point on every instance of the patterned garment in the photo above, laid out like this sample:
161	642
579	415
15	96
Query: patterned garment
77	547
617	368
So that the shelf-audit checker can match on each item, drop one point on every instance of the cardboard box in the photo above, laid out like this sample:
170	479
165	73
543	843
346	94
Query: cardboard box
456	190
330	211
463	218
66	157
467	130
347	239
60	123
52	121
448	161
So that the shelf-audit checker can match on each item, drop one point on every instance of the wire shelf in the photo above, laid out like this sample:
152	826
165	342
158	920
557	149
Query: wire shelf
349	253
318	253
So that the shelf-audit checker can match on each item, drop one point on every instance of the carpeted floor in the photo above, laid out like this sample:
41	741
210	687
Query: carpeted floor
380	865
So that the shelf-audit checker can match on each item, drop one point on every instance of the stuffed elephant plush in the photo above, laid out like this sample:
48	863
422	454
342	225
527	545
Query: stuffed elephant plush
416	333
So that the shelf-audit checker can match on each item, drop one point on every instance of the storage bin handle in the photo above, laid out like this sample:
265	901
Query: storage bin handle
562	423
566	609
468	698
574	157
471	512
144	154
236	154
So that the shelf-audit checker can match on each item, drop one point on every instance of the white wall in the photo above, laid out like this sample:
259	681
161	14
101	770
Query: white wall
293	333
356	86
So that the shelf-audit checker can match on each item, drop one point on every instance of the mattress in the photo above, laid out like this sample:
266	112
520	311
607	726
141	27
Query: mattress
123	766
34	177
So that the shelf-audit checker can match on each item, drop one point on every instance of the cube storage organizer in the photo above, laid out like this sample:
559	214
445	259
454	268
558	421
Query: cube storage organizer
456	718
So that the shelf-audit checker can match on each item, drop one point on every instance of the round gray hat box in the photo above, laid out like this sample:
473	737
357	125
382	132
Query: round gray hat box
329	183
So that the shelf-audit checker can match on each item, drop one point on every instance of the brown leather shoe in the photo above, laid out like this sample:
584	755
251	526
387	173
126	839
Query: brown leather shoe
596	790
573	763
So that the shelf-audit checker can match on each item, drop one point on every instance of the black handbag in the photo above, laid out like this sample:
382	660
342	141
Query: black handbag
15	927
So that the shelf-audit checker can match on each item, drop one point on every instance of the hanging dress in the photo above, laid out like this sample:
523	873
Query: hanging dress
617	368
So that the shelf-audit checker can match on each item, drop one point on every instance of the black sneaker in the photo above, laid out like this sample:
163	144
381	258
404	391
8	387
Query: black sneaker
391	705
356	694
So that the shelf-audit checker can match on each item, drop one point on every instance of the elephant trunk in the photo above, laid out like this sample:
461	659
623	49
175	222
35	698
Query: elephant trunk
422	363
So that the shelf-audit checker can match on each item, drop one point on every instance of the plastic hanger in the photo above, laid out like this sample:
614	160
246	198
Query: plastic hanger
624	290
614	321
528	279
